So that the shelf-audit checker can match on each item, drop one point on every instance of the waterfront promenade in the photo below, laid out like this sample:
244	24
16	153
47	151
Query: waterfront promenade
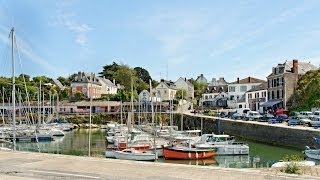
27	165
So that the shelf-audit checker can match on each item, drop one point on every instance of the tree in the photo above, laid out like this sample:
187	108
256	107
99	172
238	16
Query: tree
109	70
181	94
78	95
64	81
142	74
123	75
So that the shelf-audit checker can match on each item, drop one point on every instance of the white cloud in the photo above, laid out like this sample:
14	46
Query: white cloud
68	20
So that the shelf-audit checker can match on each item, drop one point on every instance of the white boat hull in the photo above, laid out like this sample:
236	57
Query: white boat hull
313	153
230	149
159	151
227	149
110	154
134	156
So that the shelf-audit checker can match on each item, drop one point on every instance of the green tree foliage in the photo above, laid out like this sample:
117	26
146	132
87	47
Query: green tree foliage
142	74
110	70
181	94
307	94
78	95
198	89
64	81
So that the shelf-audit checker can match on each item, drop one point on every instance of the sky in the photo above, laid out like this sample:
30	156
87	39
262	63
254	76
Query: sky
169	38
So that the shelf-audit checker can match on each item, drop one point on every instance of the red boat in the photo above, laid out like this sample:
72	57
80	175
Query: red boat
174	152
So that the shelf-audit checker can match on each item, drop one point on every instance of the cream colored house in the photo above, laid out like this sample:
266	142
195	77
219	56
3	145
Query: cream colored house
165	90
183	83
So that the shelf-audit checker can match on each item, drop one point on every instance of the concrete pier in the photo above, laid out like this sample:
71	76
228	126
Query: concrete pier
27	165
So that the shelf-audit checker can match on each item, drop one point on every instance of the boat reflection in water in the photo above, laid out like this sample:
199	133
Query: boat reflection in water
241	161
200	162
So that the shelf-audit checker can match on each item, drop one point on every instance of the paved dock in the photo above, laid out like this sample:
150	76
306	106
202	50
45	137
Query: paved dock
27	165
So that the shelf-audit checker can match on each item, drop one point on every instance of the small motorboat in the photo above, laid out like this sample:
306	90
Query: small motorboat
312	153
176	152
132	154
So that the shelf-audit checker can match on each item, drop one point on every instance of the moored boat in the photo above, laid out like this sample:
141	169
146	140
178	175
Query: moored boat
298	163
227	149
174	152
312	153
132	154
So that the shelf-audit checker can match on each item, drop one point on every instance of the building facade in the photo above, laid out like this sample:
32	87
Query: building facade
237	89
183	83
82	83
257	96
283	80
107	87
165	90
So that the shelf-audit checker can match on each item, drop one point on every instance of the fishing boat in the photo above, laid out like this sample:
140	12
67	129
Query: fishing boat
187	153
132	154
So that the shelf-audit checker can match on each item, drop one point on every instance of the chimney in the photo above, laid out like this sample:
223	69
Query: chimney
221	79
201	75
249	79
114	81
238	80
295	66
213	79
185	79
162	80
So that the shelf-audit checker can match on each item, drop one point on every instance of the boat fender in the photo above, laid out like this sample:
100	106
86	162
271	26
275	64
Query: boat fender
189	155
197	156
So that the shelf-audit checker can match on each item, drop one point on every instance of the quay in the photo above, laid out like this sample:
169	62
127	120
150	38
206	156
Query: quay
276	134
28	165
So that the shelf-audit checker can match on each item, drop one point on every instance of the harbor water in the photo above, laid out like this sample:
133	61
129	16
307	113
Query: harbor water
76	143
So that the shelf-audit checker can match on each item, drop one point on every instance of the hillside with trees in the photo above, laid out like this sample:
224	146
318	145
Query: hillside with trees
307	94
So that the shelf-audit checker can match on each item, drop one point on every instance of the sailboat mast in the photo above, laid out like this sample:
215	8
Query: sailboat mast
13	92
91	90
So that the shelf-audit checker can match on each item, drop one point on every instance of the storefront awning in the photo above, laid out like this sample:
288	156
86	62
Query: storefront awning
270	103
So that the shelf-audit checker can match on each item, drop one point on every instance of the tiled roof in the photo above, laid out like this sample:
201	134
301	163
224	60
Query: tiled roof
262	86
249	80
303	67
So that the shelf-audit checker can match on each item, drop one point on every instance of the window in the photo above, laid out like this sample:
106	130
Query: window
165	91
272	96
243	88
232	89
278	94
206	97
231	97
257	95
240	105
269	97
210	97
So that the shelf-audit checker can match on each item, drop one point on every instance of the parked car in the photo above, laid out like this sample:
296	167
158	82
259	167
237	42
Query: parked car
307	114
281	111
316	114
266	117
252	116
296	115
277	119
305	121
293	122
236	116
315	122
282	117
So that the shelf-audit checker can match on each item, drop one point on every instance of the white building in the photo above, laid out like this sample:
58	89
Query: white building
183	83
256	96
238	88
165	90
107	87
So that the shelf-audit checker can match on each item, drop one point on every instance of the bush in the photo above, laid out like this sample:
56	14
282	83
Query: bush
292	167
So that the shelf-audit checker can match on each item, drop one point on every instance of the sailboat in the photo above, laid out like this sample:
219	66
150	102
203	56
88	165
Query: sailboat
131	153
